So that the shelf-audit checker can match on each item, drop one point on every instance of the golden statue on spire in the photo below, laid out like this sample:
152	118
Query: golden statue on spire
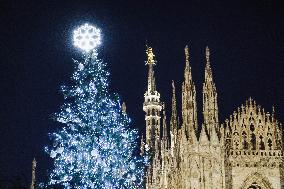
150	56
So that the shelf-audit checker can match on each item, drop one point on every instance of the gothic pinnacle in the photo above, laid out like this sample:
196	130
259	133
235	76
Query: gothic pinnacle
208	71
273	113
165	130
210	107
207	55
150	62
174	110
174	89
186	52
187	70
33	174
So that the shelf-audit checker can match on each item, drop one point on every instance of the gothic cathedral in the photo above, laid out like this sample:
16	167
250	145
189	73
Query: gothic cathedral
245	152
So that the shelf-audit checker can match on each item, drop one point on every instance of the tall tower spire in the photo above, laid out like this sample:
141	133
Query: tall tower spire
151	62
173	122
165	139
208	71
152	105
189	109
187	70
174	110
33	174
210	107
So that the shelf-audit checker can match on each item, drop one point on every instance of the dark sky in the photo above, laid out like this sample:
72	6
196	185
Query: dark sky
246	40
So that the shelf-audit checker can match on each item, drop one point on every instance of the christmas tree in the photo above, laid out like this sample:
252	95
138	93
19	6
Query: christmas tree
95	146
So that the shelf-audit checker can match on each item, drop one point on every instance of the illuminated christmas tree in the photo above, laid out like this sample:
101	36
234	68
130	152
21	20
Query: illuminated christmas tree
95	146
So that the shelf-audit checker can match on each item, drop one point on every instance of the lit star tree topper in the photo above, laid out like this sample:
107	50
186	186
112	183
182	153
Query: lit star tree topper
87	37
95	147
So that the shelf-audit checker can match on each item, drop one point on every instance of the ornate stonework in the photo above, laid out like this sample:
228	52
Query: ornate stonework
245	152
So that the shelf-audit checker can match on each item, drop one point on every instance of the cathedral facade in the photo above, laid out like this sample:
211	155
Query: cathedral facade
245	152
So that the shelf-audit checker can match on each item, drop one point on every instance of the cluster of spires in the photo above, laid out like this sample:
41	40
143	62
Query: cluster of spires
152	106
169	151
211	131
249	133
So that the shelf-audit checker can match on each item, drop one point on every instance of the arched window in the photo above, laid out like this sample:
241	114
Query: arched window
253	141
252	127
261	143
256	181
269	143
254	186
245	143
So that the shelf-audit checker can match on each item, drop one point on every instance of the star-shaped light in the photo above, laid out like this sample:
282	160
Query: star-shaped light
87	37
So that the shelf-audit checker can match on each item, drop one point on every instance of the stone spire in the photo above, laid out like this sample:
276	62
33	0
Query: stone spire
174	109
210	107
173	122
164	150
189	109
33	183
165	130
152	105
142	145
187	70
208	71
151	62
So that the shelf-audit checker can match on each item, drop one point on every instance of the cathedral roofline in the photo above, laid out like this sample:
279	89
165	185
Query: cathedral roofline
250	140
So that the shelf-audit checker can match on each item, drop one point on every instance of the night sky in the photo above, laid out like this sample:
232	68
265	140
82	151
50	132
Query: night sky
246	42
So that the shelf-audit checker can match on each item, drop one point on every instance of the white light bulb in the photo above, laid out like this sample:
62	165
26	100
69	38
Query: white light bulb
53	154
81	66
94	153
60	150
